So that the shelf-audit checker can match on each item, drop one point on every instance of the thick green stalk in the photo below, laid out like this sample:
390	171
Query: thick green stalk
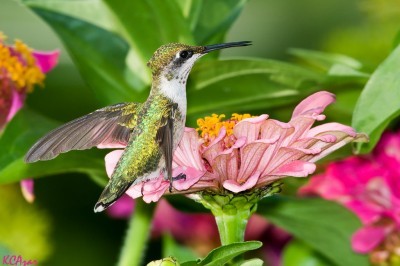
232	226
137	235
231	213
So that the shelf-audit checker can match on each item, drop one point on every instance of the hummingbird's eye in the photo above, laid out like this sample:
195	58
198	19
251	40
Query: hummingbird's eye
185	54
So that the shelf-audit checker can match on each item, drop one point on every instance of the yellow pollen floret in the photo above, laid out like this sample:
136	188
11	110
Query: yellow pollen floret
19	66
210	126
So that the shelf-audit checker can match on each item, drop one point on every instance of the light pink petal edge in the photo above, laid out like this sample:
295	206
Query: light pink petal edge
235	187
112	159
314	104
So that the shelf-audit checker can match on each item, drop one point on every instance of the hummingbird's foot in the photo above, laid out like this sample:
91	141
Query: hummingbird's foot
179	177
175	178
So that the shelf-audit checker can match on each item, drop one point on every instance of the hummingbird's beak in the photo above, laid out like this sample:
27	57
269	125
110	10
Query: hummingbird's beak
214	47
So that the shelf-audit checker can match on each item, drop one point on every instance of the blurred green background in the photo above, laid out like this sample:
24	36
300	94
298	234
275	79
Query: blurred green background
75	235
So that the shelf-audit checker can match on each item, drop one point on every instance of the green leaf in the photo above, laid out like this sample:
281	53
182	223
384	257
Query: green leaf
297	253
379	101
98	54
252	262
20	134
210	19
246	84
224	254
173	249
87	10
325	61
325	226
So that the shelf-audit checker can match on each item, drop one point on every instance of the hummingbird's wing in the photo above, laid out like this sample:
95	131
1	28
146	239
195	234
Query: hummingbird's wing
165	138
109	126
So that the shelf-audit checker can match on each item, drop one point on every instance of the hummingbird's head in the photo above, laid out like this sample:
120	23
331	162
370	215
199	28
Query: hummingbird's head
175	60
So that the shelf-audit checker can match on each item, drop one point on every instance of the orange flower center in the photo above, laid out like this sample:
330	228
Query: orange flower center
210	126
18	65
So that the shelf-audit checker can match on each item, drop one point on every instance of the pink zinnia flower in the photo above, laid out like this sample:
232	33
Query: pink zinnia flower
246	153
370	187
21	69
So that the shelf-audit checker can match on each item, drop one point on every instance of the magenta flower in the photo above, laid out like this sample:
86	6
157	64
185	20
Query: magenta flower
20	70
241	155
370	187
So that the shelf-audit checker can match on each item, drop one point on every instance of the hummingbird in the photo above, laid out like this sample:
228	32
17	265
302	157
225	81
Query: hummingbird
149	131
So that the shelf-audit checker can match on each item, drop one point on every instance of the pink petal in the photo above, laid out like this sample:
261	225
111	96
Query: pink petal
271	129
226	165
192	177
367	238
251	156
135	191
295	169
27	186
188	151
238	144
16	104
46	60
275	133
154	189
112	159
342	139
215	147
301	125
314	104
286	155
331	127
249	128
236	187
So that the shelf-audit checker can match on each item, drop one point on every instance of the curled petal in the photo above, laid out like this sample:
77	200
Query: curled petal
234	186
295	169
153	191
135	191
367	238
342	139
249	128
46	60
314	104
238	144
192	177
112	159
329	127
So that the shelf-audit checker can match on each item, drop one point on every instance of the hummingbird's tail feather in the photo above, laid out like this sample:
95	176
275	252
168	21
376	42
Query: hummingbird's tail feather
111	193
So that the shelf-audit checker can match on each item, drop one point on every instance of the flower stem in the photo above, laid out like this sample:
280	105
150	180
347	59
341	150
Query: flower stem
137	235
231	213
232	227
